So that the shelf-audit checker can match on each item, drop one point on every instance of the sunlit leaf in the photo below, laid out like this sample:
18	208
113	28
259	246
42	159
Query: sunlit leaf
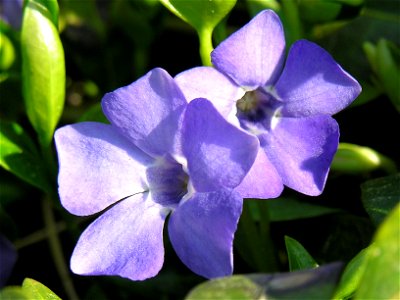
14	293
7	52
380	196
382	270
43	70
38	290
19	155
351	277
299	258
318	283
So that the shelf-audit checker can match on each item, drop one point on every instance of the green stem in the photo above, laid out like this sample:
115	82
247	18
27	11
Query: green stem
206	46
56	250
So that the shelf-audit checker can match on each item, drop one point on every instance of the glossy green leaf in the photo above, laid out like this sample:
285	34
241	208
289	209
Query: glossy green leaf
317	283
382	270
19	155
286	209
30	289
351	277
298	256
14	293
380	196
7	52
38	291
52	7
43	70
354	159
203	15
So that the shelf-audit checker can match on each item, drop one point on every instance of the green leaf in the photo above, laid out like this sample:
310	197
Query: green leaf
38	291
351	277
354	159
52	7
30	289
19	155
380	196
14	293
382	272
299	258
286	209
43	70
7	52
204	16
389	72
317	283
319	11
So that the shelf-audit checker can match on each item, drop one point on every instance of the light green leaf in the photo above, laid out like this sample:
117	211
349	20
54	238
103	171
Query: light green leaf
380	196
14	293
19	155
43	70
351	277
7	52
382	271
317	283
204	16
299	258
38	291
355	159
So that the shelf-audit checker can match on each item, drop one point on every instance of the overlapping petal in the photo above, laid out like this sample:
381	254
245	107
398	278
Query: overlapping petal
218	154
208	83
201	231
302	150
262	181
253	55
98	167
148	111
313	83
126	240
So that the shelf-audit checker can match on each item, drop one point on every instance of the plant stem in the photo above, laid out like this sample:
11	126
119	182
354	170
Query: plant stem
56	250
206	46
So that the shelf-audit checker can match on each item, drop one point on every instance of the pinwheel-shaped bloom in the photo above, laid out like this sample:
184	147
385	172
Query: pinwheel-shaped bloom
288	106
159	156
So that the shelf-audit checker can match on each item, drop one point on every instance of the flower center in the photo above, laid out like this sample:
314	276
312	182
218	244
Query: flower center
258	111
167	180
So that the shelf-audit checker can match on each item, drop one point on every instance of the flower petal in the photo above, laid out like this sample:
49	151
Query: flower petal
262	181
98	167
201	231
218	154
209	83
313	83
126	240
253	55
302	150
148	112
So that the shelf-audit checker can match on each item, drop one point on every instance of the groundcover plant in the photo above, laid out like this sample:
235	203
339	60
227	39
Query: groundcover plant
138	161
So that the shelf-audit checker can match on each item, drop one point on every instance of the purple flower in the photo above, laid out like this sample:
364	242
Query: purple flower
159	156
287	106
8	258
11	12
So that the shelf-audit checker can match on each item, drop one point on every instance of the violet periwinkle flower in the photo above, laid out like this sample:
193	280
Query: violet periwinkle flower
159	156
8	258
11	12
288	107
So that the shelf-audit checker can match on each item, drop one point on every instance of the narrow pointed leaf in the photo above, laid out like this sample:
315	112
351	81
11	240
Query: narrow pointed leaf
43	69
299	258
